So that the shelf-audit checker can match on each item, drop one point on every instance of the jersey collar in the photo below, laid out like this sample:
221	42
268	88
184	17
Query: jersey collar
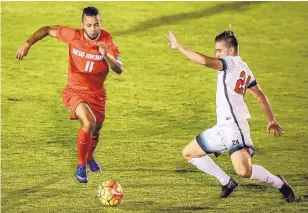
86	36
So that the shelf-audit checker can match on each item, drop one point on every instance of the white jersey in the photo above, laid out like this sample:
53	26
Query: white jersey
231	87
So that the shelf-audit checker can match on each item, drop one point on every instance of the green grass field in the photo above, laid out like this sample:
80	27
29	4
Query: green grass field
154	109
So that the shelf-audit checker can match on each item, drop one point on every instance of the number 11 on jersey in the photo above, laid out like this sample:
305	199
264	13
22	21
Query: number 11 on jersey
240	86
89	66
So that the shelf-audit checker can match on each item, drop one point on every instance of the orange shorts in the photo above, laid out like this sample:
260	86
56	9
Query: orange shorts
95	100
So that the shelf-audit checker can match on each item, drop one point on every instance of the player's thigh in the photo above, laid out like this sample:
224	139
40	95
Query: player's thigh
85	114
241	161
193	149
98	106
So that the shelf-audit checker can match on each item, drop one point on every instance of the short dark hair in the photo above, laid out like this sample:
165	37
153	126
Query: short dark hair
229	37
89	11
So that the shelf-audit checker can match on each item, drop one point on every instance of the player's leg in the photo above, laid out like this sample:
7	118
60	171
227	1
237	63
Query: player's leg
97	104
241	160
93	164
95	140
195	154
197	157
87	120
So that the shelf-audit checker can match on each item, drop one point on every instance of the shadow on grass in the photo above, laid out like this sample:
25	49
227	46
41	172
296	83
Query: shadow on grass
300	199
157	207
257	187
189	208
153	170
185	171
33	189
20	196
175	18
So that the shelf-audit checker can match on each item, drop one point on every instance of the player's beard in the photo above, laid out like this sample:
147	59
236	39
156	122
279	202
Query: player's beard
91	38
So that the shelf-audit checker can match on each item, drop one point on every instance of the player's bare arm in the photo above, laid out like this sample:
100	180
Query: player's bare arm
272	124
23	50
115	62
199	58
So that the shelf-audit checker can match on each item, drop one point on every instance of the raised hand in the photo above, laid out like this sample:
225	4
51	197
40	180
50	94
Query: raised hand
174	44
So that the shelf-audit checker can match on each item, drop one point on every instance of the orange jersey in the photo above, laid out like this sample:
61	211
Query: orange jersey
87	68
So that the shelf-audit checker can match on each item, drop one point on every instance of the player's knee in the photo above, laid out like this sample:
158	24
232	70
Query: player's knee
89	125
187	154
244	172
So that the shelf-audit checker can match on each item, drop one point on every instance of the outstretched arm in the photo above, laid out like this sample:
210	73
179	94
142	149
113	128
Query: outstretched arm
23	50
272	124
199	58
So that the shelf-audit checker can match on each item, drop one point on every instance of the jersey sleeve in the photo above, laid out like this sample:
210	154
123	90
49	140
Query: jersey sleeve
252	82
66	34
112	47
228	63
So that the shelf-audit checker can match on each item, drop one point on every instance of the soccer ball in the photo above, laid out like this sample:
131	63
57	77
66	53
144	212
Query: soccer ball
110	193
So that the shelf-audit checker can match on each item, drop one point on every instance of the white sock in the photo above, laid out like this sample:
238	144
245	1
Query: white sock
207	165
262	175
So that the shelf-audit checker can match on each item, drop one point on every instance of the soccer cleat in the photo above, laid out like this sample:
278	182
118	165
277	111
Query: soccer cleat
94	166
286	190
81	174
226	190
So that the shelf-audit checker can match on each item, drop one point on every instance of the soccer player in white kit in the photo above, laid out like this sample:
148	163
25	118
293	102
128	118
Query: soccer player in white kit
232	131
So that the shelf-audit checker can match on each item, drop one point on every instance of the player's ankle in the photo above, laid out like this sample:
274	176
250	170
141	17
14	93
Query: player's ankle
90	158
81	163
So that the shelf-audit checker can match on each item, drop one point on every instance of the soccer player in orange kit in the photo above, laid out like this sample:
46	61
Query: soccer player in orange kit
91	52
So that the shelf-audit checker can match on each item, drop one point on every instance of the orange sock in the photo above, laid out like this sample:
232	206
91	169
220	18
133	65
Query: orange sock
91	148
83	142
